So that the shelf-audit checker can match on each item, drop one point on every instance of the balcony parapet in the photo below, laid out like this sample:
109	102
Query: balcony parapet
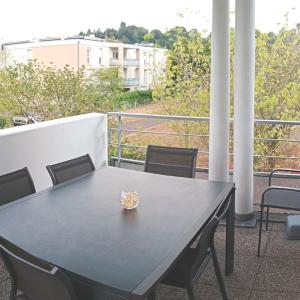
131	62
114	62
131	82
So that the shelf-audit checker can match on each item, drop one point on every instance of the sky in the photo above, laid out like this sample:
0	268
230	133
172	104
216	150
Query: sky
29	19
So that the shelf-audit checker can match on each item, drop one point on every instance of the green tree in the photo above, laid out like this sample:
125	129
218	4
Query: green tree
173	34
104	87
159	38
185	88
149	37
46	92
277	90
131	34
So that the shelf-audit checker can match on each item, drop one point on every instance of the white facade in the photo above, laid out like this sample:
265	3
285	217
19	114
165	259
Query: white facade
138	64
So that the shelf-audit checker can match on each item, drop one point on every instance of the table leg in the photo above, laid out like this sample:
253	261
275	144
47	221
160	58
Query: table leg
230	217
151	295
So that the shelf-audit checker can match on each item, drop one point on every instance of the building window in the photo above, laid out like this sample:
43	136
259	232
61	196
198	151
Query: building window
100	56
115	55
151	59
88	55
29	53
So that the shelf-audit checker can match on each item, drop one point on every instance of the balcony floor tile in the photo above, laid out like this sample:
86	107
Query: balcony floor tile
278	275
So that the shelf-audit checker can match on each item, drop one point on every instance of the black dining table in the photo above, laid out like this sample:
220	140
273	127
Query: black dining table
108	251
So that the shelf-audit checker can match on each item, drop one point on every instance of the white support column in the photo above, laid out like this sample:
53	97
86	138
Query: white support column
220	91
244	77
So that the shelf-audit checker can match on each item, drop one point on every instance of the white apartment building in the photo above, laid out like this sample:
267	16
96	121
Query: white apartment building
138	64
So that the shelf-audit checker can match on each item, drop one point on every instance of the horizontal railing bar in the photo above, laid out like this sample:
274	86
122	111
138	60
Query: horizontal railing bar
189	118
206	152
277	122
276	140
145	147
142	162
273	156
164	133
277	157
160	117
230	154
203	135
199	135
255	173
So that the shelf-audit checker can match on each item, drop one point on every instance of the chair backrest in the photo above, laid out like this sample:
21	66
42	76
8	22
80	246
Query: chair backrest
207	234
34	277
15	185
171	161
70	169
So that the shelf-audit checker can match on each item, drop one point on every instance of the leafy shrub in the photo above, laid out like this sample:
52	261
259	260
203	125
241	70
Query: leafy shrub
5	122
135	97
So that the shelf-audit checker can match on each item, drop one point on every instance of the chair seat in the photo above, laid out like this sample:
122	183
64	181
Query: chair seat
293	227
182	272
285	199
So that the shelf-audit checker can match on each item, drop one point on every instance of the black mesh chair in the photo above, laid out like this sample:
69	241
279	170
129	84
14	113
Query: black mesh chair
171	161
278	197
70	169
34	278
15	185
195	259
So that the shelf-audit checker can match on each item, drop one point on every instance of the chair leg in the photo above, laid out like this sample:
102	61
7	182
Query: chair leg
13	289
191	292
218	272
260	230
151	296
267	219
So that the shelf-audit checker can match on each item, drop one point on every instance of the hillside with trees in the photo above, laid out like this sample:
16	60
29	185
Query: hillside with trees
185	89
131	34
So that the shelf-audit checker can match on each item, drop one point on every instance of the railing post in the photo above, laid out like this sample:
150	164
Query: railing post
119	141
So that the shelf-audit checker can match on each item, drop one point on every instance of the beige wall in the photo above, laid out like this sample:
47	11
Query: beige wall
61	55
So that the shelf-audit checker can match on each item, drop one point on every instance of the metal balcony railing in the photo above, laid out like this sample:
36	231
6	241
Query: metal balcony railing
121	130
114	62
131	82
131	62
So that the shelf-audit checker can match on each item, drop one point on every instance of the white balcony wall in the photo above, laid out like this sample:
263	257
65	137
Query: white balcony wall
37	145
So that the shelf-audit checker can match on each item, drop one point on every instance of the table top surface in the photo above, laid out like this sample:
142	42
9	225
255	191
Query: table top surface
81	227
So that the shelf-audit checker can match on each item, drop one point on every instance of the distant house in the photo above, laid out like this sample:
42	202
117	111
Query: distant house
138	63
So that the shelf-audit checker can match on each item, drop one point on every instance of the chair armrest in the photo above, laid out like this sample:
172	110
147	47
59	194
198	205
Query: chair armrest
282	170
279	188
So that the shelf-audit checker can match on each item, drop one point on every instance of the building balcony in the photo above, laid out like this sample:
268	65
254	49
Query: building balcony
131	82
131	62
114	62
